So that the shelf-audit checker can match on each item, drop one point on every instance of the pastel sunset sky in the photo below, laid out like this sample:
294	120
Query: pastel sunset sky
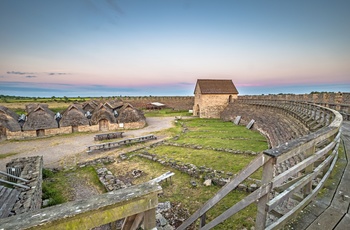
160	47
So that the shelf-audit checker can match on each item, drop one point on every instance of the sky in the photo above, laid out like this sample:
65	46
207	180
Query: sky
161	47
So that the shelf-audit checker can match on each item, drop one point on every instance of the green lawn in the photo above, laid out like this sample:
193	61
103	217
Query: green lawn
166	113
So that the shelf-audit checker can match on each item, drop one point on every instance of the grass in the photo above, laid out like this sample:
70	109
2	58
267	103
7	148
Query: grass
213	133
218	134
166	113
192	198
227	162
2	156
57	187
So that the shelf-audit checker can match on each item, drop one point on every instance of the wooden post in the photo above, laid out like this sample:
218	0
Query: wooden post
149	221
267	176
308	187
202	220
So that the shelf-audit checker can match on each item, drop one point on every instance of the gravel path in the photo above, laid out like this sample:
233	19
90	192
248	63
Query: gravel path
60	150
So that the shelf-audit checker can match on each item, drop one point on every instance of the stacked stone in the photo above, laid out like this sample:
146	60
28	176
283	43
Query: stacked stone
103	160
109	181
192	146
216	176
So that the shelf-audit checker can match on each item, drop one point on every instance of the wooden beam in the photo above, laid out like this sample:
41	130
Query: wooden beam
277	224
242	175
90	213
251	198
292	189
261	215
278	180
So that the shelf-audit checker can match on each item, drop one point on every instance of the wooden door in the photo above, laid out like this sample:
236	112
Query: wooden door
104	125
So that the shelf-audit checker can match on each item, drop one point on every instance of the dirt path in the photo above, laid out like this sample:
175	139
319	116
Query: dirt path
58	149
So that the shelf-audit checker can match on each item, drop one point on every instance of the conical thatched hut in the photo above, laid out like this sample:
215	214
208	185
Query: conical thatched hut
127	114
39	118
8	121
74	116
103	116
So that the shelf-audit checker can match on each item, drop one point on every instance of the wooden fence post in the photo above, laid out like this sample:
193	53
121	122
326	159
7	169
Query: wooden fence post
308	187
267	176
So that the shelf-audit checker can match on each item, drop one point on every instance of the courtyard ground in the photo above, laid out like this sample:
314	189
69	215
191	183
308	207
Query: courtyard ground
59	151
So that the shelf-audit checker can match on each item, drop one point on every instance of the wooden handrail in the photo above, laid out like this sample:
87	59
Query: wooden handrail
328	121
93	212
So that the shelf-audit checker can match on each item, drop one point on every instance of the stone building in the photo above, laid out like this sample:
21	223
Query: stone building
212	96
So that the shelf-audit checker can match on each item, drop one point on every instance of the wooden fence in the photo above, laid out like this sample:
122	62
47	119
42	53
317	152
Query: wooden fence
319	151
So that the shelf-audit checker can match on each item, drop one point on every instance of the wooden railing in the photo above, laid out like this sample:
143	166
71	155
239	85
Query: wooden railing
319	151
137	204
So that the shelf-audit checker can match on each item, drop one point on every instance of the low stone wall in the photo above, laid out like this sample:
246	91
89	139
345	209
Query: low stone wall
31	169
208	174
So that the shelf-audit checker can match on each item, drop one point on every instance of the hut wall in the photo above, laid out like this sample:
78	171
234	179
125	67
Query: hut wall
20	135
88	128
135	125
62	130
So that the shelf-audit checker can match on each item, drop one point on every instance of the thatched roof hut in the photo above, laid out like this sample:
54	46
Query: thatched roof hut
89	106
9	119
102	112
74	115
115	104
127	113
39	117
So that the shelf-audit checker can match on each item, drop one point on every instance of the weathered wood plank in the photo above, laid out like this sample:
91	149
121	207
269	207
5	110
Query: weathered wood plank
328	220
241	176
302	204
149	221
251	198
296	146
344	223
86	214
137	221
278	180
295	187
7	206
261	215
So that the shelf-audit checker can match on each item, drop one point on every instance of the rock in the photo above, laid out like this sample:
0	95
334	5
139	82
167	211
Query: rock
207	182
46	202
160	220
162	207
242	187
253	187
193	183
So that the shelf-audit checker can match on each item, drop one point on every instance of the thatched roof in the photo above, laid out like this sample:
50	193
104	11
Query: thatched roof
9	119
127	114
89	106
74	115
39	117
115	104
212	86
102	112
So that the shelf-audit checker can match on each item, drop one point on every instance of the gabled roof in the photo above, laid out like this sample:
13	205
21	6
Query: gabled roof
213	86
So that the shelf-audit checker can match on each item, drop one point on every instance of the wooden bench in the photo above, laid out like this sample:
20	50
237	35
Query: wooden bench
108	136
111	145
